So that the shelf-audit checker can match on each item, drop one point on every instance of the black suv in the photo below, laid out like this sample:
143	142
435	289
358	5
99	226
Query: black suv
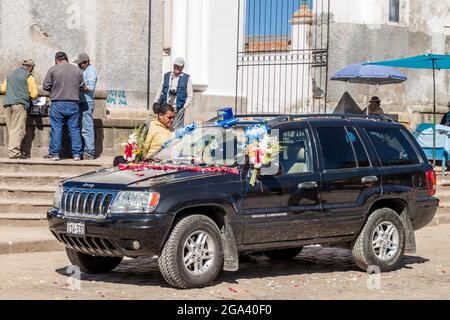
362	183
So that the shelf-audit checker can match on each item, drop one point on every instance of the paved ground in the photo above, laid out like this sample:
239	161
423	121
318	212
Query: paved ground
318	273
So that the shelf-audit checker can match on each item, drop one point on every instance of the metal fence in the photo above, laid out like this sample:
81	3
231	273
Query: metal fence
282	62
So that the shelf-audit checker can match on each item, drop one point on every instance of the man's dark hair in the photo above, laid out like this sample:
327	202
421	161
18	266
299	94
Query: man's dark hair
164	109
61	56
156	107
119	160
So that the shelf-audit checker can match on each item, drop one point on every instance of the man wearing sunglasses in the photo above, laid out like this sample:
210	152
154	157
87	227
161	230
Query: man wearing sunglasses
176	90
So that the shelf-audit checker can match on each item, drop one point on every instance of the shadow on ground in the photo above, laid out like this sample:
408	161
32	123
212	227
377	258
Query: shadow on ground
312	260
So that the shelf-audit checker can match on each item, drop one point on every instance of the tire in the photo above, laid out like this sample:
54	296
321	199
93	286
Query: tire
369	247
283	254
196	273
90	264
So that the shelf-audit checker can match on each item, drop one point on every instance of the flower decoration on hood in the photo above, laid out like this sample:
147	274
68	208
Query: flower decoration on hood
134	147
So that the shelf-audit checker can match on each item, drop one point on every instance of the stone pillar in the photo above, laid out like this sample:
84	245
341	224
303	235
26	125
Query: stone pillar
301	27
179	28
196	42
301	22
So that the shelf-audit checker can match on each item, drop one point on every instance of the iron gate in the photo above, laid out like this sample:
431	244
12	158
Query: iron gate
282	60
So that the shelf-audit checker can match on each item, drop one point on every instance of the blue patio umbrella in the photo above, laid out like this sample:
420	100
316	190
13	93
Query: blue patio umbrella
369	75
427	61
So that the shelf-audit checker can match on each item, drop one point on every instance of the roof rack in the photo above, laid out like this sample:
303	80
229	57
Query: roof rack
239	116
292	117
340	116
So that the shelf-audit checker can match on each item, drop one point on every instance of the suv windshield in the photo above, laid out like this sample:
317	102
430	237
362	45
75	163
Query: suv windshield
210	146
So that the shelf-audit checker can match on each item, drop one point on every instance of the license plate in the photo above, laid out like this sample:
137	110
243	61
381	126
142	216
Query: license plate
76	228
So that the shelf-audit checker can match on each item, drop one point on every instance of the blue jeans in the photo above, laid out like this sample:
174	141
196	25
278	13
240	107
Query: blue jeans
87	127
60	112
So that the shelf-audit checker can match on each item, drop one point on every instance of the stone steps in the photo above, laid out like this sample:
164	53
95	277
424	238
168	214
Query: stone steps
41	179
27	186
66	167
29	236
25	217
19	193
38	207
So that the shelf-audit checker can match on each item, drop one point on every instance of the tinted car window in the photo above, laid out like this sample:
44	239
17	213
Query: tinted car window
337	149
393	147
296	155
361	154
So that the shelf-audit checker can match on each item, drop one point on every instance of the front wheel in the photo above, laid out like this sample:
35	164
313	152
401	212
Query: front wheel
192	256
381	243
90	264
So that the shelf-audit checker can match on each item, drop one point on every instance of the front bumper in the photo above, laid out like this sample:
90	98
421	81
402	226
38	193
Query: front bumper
114	236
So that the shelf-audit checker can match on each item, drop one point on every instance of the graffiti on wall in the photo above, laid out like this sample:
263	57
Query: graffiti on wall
116	98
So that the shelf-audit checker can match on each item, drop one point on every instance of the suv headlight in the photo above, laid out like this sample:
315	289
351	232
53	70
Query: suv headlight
57	197
135	202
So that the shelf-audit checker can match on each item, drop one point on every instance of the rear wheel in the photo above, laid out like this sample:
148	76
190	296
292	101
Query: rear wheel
283	254
91	264
381	243
192	256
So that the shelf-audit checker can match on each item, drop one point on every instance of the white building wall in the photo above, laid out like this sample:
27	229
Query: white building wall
368	12
222	46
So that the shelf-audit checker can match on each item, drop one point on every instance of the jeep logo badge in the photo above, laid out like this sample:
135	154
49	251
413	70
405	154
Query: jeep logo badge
87	185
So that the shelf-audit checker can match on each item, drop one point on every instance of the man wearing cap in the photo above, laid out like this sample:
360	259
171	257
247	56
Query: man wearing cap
87	105
19	87
374	107
177	91
65	82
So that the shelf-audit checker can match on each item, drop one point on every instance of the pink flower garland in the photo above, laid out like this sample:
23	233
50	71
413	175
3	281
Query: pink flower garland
146	166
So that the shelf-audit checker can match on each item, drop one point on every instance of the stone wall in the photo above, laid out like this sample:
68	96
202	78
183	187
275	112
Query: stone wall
114	33
369	36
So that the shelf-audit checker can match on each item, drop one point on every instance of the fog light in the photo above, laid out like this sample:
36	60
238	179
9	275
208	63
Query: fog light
136	245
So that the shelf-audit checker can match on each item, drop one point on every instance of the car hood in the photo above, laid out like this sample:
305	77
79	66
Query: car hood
117	179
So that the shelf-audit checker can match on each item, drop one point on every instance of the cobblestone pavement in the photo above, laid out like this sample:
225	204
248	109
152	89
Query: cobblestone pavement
318	273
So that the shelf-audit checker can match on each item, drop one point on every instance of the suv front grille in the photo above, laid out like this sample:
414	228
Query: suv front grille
79	203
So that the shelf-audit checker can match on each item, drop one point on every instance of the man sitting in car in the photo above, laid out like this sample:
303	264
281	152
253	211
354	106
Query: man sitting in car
160	129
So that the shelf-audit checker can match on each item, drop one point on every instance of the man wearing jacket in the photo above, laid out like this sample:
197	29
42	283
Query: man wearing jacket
20	88
176	90
65	82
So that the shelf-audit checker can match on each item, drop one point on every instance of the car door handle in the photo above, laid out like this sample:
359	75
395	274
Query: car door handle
369	181
308	186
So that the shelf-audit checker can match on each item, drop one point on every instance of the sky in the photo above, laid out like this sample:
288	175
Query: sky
270	17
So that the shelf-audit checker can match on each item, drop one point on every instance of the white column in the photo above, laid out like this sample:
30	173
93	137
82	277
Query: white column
301	38
206	33
179	28
195	42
